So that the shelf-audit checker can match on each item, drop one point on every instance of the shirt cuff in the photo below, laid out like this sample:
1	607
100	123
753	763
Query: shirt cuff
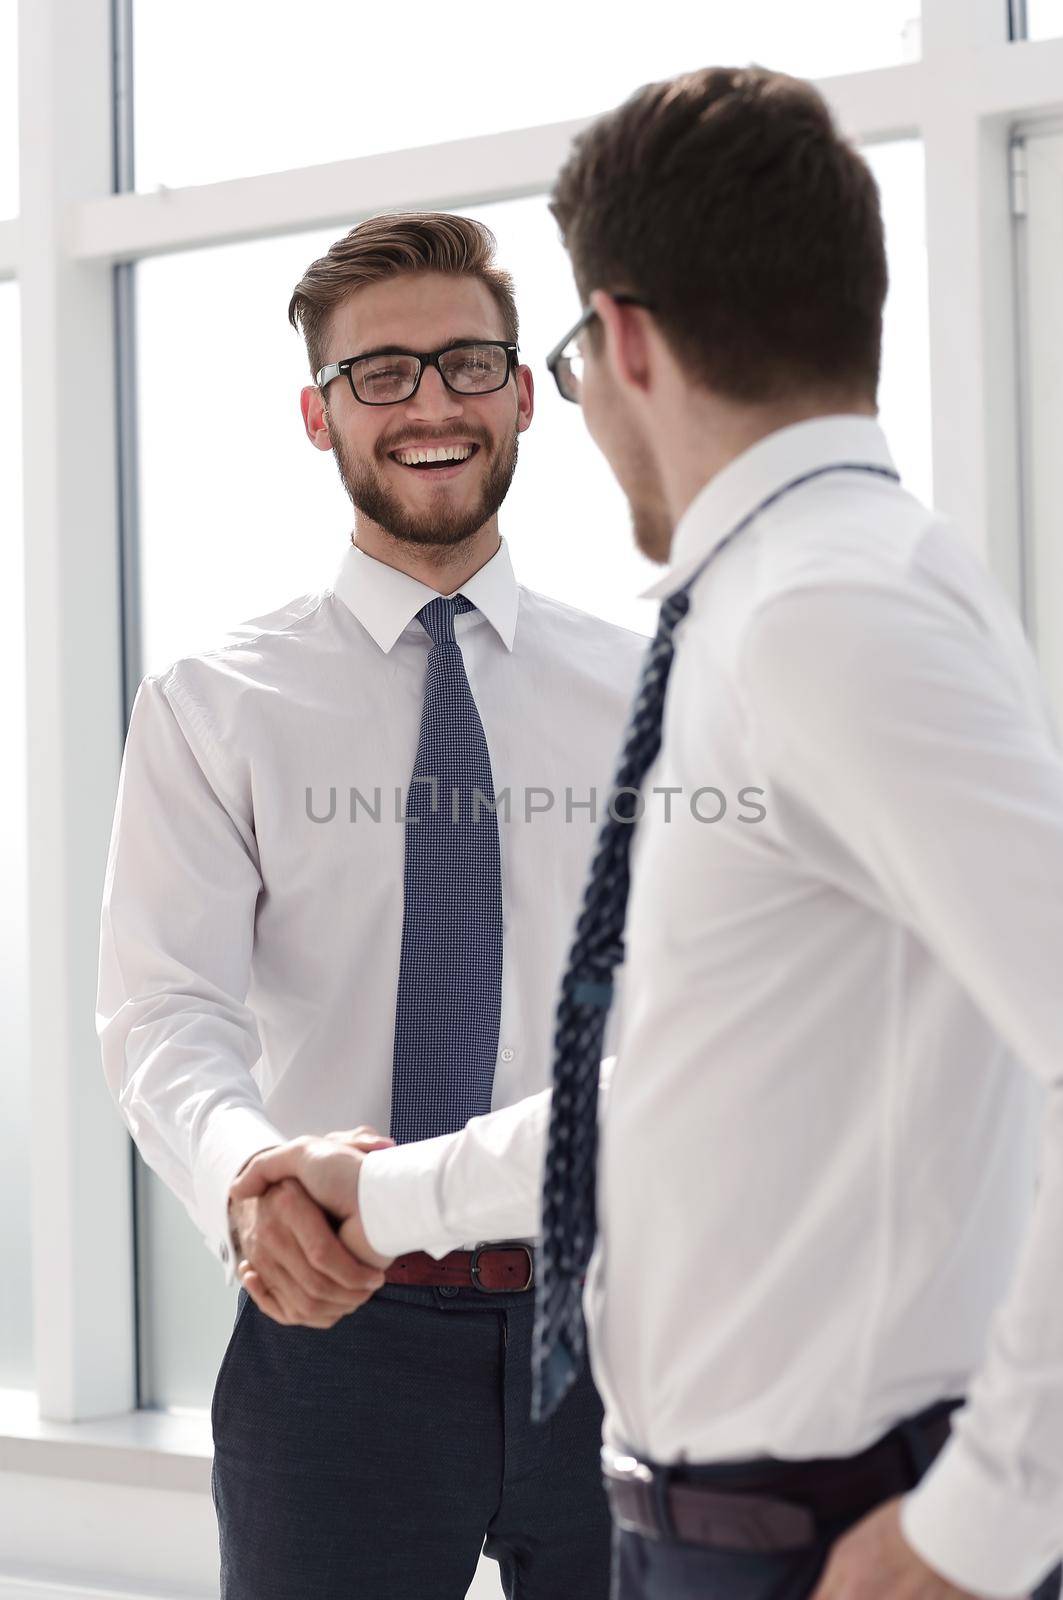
977	1532
399	1197
233	1136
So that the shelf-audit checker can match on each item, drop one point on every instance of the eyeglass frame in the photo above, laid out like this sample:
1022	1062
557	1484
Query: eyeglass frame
424	358
588	313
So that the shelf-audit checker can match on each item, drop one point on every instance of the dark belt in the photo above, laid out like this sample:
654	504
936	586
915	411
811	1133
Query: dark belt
770	1504
492	1268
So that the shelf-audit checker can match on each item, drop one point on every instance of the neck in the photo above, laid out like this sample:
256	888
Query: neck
442	567
720	432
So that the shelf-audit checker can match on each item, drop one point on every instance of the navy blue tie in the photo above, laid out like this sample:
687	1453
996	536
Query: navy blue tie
449	994
569	1199
569	1188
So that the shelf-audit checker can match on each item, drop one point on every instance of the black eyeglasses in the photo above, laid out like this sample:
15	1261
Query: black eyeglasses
384	377
566	363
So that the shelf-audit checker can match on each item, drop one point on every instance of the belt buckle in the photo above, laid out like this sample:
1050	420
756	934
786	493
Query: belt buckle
636	1475
625	1469
504	1244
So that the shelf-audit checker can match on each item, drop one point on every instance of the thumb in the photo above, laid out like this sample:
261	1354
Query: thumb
261	1171
362	1138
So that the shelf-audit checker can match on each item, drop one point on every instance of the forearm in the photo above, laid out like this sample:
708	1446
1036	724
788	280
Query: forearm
195	1113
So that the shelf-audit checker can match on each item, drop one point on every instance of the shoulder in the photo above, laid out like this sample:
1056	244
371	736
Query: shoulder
856	663
883	581
559	626
251	652
841	532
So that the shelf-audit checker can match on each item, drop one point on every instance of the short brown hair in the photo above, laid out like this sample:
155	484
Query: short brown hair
727	197
386	246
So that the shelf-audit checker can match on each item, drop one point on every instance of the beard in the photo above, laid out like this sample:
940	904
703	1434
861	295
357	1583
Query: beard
444	520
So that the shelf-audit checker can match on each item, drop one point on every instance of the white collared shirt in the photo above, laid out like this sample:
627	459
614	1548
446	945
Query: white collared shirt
252	915
842	1025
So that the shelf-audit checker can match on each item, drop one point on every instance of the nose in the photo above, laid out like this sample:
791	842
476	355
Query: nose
433	398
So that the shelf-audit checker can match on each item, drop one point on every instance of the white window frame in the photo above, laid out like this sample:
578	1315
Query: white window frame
964	98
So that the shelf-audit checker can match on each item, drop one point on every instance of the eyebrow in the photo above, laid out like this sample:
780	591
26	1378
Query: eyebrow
404	349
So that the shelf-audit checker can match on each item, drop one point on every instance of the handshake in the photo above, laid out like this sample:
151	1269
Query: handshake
283	1209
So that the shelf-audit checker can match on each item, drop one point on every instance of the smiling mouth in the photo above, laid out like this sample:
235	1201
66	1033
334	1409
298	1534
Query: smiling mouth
437	469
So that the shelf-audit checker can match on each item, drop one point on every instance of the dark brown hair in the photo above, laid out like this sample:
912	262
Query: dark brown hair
727	197
386	246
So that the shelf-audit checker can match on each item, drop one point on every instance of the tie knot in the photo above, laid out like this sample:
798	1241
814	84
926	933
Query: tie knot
673	610
437	617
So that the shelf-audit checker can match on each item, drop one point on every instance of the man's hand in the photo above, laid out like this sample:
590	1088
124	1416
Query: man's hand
874	1561
293	1265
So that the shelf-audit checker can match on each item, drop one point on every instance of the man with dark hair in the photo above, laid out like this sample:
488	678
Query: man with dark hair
822	1301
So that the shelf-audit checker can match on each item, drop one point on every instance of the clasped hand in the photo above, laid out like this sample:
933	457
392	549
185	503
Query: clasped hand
284	1206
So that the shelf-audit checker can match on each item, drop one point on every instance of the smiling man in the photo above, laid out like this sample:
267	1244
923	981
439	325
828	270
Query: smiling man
336	894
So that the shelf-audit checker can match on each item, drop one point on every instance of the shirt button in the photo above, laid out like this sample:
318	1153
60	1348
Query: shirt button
507	1055
225	1252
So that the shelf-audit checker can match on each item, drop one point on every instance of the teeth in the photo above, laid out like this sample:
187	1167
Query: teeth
454	452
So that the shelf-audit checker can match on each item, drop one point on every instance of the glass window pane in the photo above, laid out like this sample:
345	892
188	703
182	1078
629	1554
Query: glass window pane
240	513
1044	19
904	387
265	96
8	108
16	1298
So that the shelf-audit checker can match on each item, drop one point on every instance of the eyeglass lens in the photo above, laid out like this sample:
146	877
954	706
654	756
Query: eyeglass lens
570	371
471	368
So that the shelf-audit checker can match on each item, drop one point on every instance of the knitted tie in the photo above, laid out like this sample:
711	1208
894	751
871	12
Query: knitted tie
449	994
569	1213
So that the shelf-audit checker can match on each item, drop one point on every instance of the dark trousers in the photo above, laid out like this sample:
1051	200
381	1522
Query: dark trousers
651	1569
373	1459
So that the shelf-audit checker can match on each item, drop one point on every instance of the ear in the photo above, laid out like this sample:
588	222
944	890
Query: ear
627	347
311	403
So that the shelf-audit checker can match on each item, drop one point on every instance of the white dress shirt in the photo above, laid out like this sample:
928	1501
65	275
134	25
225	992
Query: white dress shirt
840	1059
252	916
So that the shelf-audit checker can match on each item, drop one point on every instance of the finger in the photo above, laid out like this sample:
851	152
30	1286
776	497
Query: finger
276	1280
826	1588
269	1167
315	1256
274	1308
298	1304
294	1235
262	1297
294	1308
257	1289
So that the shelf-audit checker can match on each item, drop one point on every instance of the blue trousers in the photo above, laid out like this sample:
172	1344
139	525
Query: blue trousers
646	1570
375	1458
651	1569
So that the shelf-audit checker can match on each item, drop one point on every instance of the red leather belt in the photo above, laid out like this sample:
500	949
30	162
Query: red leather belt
778	1507
491	1268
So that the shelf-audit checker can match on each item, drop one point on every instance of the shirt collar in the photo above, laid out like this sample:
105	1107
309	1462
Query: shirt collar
765	467
386	600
